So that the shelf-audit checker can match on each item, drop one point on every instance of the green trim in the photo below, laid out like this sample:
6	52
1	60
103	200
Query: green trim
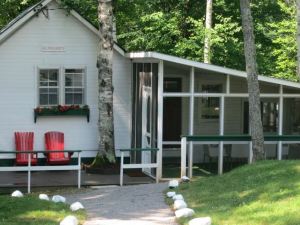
71	112
139	150
218	138
240	138
282	138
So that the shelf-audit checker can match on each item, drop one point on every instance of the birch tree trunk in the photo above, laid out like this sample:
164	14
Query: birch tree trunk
208	26
256	128
105	95
298	38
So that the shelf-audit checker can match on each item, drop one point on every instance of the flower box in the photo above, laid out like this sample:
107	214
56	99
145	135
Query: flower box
72	110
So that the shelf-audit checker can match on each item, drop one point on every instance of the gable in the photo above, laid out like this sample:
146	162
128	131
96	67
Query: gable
48	9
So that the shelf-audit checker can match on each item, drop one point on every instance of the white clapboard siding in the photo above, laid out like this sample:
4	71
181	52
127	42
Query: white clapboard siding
21	55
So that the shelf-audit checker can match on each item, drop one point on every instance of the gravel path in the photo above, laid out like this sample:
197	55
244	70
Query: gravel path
128	205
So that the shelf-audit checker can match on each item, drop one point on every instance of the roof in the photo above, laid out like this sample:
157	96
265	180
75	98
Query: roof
35	9
209	67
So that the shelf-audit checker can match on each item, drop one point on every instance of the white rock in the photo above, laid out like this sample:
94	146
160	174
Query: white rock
44	197
173	183
179	204
17	194
186	212
200	221
177	197
76	206
58	198
69	220
170	194
185	179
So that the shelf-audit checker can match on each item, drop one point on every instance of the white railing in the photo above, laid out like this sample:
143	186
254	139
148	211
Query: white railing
30	167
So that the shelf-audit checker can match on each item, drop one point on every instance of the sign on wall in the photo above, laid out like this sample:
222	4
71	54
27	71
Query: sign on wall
53	48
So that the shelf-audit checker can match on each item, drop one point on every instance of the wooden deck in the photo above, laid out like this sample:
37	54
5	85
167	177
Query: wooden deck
65	178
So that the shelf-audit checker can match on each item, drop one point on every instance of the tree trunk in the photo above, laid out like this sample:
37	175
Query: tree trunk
256	128
298	38
208	25
105	95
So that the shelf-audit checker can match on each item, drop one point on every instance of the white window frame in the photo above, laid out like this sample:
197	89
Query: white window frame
83	84
58	86
61	83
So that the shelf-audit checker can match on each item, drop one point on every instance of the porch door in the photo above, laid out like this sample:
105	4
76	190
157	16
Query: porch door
146	126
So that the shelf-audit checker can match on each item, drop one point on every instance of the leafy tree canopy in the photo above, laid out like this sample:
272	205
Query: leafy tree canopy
176	27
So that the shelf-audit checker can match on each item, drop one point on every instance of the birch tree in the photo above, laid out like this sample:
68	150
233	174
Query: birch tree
256	128
298	38
208	26
105	86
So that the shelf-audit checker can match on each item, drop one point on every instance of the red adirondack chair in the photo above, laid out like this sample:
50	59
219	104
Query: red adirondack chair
24	142
54	140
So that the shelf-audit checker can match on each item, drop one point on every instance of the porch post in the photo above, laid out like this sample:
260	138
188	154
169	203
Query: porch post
29	173
191	126
227	84
221	132
183	157
280	126
160	104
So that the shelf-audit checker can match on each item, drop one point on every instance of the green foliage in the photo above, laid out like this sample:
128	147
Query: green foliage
176	27
9	9
29	210
265	193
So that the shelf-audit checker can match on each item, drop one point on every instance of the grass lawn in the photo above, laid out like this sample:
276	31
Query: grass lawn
29	210
265	193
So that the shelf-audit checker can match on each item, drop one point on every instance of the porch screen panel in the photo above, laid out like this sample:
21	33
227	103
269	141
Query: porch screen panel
175	123
208	82
291	126
207	116
144	74
238	85
175	75
234	116
291	116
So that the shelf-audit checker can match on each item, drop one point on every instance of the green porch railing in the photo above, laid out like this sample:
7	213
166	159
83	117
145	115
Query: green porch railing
221	139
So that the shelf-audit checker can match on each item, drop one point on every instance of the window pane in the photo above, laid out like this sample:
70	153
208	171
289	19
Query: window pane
48	78
78	99
48	96
69	99
53	75
73	80
53	99
68	80
43	99
74	71
78	90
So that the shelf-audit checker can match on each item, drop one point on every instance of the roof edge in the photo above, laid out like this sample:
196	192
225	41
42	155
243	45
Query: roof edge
205	66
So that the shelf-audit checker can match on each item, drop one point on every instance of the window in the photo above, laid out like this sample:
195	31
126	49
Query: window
210	106
270	116
48	87
211	88
65	89
74	86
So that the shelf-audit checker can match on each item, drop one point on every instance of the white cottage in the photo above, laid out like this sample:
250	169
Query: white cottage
48	57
